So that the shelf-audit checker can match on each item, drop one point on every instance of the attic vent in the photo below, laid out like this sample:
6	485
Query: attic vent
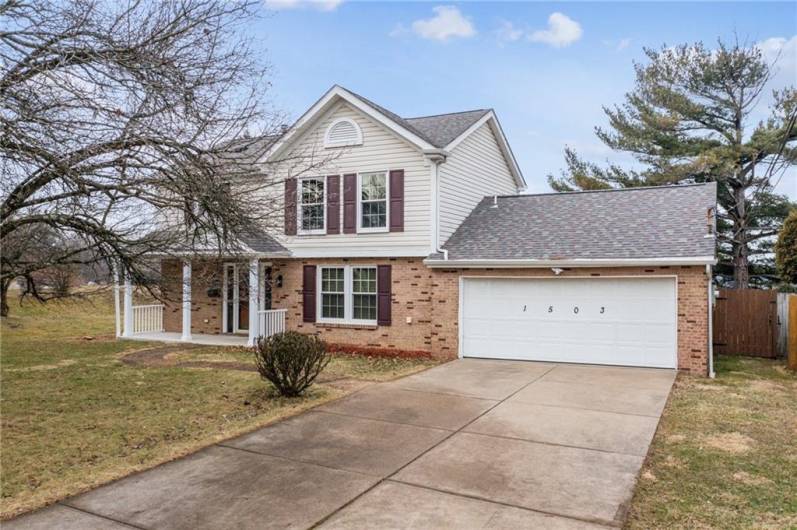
343	132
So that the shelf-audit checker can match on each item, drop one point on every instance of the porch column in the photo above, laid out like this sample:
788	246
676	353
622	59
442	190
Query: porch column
186	301
117	310
254	306
128	328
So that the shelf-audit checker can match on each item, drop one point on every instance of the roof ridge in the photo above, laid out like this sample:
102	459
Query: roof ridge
447	114
577	192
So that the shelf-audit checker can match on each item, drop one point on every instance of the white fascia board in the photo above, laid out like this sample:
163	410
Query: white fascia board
334	93
541	263
503	144
246	253
420	251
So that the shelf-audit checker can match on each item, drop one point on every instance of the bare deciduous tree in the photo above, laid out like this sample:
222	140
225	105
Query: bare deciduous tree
126	131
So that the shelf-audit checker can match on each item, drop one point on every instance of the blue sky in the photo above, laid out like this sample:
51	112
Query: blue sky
546	68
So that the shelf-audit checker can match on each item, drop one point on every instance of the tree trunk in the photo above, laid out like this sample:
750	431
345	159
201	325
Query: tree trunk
741	271
4	285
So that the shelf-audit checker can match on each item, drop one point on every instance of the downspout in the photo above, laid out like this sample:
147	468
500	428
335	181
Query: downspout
711	373
436	157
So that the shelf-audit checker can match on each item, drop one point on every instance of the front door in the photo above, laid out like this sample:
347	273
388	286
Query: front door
236	295
236	298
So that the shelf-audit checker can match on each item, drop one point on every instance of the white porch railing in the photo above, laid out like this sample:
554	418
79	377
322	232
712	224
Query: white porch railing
147	318
272	321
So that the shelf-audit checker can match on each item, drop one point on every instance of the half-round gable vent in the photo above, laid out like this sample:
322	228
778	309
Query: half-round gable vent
343	132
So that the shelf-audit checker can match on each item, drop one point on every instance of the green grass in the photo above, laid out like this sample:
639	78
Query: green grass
74	416
725	454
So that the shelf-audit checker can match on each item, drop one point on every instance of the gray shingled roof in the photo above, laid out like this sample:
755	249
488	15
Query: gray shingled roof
259	241
442	129
438	130
658	222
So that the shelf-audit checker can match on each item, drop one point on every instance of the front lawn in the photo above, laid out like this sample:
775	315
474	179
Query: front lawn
725	454
75	416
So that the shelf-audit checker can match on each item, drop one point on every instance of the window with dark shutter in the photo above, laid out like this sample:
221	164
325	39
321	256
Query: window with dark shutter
397	200
383	291
290	207
308	293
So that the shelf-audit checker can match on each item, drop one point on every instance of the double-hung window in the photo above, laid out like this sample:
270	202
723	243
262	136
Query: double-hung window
348	294
333	293
373	202
312	206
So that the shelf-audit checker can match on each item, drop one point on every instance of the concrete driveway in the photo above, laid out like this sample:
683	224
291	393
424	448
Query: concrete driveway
470	444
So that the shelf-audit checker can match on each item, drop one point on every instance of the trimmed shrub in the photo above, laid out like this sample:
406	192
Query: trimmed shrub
290	361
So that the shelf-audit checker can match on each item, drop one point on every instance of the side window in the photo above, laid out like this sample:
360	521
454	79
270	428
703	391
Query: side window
312	205
373	202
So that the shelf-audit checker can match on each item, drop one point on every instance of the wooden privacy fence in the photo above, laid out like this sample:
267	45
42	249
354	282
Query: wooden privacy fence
746	322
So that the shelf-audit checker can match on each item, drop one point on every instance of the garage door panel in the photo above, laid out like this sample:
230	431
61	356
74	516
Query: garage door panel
590	320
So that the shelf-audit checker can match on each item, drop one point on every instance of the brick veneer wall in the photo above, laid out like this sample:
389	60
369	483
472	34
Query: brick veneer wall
692	306
430	298
411	298
206	311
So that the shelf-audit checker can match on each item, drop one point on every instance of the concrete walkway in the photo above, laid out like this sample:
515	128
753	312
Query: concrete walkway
470	444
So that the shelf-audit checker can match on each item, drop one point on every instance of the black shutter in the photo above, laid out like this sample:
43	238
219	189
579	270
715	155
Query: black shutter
383	295
308	293
397	200
350	203
333	204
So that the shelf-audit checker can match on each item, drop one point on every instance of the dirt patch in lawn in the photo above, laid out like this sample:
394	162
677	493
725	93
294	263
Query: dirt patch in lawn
164	356
170	356
732	442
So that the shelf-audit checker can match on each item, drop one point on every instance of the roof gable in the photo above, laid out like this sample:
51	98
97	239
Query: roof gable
427	133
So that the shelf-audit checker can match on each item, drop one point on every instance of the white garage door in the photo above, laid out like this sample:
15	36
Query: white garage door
622	321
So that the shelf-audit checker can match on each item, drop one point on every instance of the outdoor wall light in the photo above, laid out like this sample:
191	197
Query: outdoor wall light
557	270
279	281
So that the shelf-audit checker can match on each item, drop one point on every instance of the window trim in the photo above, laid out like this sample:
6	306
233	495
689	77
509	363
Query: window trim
379	229
317	231
329	144
348	295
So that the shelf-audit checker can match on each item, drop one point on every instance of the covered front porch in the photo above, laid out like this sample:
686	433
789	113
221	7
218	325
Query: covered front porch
227	311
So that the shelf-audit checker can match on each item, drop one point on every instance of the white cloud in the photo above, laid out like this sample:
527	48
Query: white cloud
321	5
562	31
623	44
507	32
448	22
783	53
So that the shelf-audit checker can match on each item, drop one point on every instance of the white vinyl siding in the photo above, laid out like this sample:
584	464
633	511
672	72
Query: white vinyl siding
381	150
476	168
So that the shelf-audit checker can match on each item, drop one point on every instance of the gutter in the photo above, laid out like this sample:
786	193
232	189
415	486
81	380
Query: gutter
436	157
711	373
587	262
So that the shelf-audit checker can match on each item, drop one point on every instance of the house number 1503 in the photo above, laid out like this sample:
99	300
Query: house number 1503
575	309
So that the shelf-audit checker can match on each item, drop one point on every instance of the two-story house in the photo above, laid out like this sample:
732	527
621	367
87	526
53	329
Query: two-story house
414	236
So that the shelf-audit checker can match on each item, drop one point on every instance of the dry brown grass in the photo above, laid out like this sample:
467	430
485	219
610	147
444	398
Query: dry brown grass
725	454
74	416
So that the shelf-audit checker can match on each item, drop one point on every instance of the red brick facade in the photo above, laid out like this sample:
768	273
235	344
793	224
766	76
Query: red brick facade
425	305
